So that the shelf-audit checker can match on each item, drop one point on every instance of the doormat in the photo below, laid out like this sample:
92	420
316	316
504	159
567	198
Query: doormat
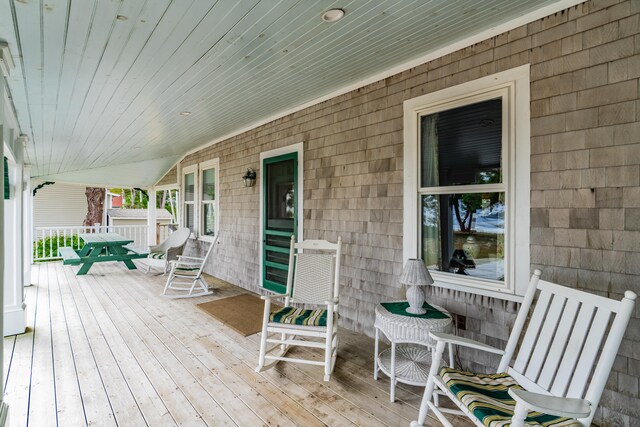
242	313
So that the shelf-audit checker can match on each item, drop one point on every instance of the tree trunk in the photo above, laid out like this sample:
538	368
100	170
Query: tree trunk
95	206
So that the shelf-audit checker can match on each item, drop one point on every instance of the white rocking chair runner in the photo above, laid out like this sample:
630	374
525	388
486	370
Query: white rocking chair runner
313	279
559	372
185	276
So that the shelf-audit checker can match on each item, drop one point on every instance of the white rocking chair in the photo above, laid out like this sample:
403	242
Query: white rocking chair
313	279
170	249
186	274
550	382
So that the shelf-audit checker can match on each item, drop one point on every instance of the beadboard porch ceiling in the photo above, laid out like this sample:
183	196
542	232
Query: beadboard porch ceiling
99	85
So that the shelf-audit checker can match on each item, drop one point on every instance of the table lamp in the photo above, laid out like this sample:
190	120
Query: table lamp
415	275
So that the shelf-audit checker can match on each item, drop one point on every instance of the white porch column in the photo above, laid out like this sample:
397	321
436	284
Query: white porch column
151	217
27	225
15	321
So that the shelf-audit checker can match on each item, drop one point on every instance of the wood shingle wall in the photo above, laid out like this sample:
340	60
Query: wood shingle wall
585	164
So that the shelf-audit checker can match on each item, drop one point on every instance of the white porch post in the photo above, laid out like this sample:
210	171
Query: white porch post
6	65
151	217
14	308
27	224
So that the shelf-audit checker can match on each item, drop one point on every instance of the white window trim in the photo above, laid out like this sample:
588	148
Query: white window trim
203	166
183	201
516	82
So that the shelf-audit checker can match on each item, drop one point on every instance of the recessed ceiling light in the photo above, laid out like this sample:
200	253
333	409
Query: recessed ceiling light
121	18
333	15
185	113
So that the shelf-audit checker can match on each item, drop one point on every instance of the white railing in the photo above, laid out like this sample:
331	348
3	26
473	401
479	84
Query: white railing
46	240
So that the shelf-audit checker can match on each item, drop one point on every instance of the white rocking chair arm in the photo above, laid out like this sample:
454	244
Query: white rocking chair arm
552	405
331	303
465	342
179	263
181	257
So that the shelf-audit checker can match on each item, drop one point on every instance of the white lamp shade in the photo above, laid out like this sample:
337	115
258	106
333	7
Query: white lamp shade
415	274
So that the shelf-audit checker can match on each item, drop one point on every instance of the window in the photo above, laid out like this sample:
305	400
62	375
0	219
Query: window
189	199
201	199
208	198
467	184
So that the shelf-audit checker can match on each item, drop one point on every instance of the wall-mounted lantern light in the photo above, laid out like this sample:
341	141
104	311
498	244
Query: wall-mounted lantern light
249	178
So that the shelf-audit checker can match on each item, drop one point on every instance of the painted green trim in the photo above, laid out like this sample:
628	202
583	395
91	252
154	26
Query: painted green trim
274	286
7	187
276	249
266	283
277	265
278	233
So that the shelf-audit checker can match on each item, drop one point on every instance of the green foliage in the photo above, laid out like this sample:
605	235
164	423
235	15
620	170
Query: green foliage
48	247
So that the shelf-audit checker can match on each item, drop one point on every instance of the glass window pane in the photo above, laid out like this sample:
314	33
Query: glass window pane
280	200
188	216
209	184
462	146
468	229
209	219
189	187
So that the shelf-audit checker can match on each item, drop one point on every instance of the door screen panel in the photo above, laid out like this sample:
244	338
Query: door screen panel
280	218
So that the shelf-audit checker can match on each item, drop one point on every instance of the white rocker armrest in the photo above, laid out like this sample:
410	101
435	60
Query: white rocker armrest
332	302
552	405
186	263
156	248
181	257
465	342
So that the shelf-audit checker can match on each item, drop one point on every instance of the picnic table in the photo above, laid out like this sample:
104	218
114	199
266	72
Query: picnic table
101	247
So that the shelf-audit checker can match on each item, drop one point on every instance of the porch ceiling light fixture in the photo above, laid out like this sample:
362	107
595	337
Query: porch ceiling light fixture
414	276
185	113
249	178
333	15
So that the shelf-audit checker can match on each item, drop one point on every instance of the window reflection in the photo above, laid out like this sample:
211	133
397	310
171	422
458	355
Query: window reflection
468	229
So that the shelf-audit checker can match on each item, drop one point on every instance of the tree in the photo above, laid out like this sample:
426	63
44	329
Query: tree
95	206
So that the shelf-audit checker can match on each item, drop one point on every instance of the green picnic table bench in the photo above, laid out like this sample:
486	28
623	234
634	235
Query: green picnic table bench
101	247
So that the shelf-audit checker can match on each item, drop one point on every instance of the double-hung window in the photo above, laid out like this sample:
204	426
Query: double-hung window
208	198
189	199
467	184
201	199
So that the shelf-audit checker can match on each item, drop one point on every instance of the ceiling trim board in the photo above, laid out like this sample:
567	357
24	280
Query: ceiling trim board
469	41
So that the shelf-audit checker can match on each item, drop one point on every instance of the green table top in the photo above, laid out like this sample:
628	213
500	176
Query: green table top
104	239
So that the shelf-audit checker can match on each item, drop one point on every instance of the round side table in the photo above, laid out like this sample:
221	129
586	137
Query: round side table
408	360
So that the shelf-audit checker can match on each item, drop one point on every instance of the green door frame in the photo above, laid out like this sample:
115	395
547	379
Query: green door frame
266	283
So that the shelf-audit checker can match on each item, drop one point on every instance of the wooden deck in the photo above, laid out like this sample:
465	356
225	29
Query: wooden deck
105	349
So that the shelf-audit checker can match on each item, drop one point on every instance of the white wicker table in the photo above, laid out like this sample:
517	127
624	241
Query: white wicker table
409	358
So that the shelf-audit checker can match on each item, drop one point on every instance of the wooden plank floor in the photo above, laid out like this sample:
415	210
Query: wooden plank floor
106	350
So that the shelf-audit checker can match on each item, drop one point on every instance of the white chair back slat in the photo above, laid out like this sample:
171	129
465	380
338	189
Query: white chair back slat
572	352
313	278
559	345
590	350
531	336
543	343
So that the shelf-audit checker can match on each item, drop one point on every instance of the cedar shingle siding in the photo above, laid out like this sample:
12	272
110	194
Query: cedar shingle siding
585	171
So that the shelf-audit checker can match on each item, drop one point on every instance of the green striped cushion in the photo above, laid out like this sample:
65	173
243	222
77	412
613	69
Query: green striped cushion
300	316
487	397
157	255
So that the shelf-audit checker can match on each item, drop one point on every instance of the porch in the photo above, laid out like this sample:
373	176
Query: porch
106	349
